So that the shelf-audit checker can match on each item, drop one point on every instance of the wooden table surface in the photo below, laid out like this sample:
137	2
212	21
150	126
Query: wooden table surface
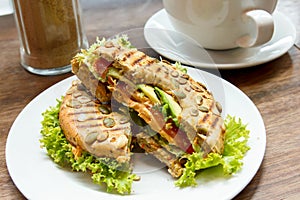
274	87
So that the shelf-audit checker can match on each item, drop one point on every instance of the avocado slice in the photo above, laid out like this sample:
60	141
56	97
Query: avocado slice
149	92
174	107
113	72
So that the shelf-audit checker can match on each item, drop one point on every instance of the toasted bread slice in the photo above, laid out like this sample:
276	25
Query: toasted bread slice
91	126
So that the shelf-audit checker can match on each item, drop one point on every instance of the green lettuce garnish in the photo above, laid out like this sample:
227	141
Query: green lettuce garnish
117	177
180	67
90	55
235	147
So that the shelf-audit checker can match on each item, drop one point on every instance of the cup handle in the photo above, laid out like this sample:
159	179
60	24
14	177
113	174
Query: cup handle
264	28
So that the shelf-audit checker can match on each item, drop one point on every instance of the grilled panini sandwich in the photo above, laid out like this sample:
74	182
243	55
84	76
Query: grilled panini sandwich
182	111
91	126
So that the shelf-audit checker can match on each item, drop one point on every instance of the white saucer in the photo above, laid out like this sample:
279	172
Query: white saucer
161	36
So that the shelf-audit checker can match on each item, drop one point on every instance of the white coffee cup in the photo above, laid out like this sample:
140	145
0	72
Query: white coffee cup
223	24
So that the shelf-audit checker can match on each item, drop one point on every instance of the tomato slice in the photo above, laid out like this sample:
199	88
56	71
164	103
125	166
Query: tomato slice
101	66
179	136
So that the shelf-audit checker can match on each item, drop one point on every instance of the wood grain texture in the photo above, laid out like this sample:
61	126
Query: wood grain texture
274	87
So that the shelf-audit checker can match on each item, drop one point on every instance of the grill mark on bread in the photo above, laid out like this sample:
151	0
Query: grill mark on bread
158	70
150	62
93	118
138	59
127	55
206	116
115	129
210	106
83	112
87	125
98	125
215	122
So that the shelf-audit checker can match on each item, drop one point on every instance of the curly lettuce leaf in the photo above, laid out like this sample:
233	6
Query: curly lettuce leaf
90	55
117	177
180	67
235	148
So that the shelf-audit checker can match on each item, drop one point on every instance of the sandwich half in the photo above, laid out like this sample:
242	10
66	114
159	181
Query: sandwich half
91	126
182	115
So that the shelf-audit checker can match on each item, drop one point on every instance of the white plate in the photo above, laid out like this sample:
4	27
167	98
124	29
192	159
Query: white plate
37	177
161	36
